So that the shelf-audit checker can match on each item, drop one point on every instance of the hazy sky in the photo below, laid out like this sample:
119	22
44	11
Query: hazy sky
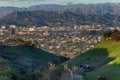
26	3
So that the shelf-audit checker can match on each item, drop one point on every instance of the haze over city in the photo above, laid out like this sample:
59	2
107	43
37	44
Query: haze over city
27	3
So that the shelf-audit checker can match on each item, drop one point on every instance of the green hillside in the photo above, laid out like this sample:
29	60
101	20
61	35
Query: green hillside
24	62
105	58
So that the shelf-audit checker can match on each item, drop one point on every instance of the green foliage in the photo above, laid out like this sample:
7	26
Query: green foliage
30	75
116	35
28	55
6	74
112	34
108	34
105	58
60	68
25	62
4	78
9	74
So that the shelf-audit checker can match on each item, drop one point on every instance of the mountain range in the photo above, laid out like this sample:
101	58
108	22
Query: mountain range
61	15
57	18
102	8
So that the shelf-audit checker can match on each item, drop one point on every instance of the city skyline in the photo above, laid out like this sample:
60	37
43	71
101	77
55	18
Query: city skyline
27	3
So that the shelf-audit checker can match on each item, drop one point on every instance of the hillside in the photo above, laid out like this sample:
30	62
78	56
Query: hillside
100	9
50	18
27	56
16	62
105	58
40	18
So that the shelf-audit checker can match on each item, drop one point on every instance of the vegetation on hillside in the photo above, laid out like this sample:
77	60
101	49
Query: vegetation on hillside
29	63
105	58
112	34
25	62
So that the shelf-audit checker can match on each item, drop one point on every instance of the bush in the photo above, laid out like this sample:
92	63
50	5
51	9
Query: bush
6	74
115	35
31	75
4	78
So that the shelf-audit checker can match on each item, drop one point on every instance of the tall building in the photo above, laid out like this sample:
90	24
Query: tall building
3	27
2	30
12	30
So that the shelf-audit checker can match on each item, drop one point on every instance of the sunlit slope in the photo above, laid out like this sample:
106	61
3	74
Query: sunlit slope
105	57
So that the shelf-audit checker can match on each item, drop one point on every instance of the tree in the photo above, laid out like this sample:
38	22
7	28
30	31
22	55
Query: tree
31	75
116	35
51	66
74	68
65	67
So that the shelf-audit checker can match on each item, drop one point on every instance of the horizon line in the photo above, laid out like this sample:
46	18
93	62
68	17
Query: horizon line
64	4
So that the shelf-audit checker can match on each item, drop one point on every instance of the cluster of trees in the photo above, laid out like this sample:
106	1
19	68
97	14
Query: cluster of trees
57	72
115	35
18	41
9	74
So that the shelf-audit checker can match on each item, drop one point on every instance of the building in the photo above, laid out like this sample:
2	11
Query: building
12	30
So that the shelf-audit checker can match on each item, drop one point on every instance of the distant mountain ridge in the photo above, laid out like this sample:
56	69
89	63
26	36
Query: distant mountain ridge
100	9
57	18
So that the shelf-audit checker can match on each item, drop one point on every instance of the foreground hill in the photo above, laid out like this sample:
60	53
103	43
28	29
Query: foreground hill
58	18
105	58
27	56
21	62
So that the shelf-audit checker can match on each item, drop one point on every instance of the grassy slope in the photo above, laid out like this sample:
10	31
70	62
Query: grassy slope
106	59
24	56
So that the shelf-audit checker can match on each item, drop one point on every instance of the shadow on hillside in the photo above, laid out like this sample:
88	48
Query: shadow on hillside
99	59
96	57
107	72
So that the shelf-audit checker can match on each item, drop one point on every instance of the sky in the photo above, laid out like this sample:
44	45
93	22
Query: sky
27	3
